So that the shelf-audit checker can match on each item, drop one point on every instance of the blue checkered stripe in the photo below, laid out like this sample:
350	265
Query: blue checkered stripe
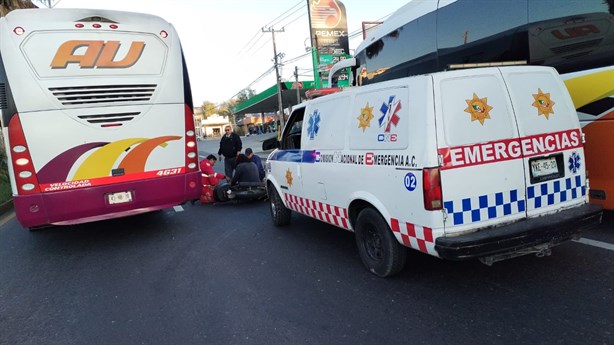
554	192
484	207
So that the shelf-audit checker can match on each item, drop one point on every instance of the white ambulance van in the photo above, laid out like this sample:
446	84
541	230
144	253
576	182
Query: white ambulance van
478	163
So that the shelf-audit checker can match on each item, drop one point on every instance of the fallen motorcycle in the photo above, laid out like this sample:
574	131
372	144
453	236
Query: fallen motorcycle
224	192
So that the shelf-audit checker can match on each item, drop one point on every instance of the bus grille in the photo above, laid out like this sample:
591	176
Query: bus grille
109	120
80	95
4	104
576	46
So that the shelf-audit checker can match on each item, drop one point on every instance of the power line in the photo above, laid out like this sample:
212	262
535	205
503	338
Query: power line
270	24
250	40
289	61
298	9
256	42
269	71
353	34
277	76
259	34
266	43
295	19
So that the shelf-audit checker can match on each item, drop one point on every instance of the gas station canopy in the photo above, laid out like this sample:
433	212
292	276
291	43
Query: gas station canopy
267	101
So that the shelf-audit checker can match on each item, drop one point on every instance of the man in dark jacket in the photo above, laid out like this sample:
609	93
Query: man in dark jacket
246	171
230	148
250	154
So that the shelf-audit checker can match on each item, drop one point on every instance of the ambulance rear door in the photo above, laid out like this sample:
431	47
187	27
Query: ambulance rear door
550	138
482	171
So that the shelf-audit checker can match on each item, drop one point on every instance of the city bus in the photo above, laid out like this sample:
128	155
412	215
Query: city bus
574	36
96	114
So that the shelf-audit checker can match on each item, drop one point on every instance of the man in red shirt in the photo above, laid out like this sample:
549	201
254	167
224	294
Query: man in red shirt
209	179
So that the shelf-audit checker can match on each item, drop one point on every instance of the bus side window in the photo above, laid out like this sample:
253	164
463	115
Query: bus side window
292	135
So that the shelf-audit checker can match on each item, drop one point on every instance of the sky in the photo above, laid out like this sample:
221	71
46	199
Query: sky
224	46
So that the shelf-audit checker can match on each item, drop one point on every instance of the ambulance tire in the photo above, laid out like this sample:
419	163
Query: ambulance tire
379	249
279	212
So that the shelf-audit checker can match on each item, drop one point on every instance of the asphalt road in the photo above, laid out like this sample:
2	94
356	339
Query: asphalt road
223	274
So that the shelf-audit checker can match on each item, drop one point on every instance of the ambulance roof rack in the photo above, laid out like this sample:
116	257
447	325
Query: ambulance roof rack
315	93
486	64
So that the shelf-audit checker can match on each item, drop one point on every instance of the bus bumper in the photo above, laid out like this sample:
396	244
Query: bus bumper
90	204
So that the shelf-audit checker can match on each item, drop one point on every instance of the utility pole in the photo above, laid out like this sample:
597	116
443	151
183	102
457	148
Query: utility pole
281	106
298	89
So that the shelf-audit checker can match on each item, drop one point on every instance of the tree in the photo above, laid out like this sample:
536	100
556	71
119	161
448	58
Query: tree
244	95
7	6
4	174
239	98
209	108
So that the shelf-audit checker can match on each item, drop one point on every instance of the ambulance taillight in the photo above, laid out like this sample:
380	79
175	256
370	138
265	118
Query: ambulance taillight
431	183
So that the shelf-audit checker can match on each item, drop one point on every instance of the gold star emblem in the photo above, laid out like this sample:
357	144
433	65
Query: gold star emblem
543	103
365	117
478	108
289	177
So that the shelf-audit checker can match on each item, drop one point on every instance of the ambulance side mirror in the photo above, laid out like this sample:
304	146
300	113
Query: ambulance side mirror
270	144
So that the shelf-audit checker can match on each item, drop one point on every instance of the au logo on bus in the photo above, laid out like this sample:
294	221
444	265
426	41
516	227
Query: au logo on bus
97	54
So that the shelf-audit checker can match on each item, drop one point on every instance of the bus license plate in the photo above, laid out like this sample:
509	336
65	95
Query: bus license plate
544	167
119	197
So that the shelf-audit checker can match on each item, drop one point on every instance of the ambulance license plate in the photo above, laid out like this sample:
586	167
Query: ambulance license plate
119	197
546	168
543	167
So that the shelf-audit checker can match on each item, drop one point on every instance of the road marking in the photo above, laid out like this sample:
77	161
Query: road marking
594	243
5	219
178	208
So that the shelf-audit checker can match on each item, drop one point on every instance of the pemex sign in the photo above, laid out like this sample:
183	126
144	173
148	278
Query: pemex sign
329	38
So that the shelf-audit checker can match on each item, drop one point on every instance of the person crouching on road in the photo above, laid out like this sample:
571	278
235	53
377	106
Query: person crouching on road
230	148
250	154
209	179
246	171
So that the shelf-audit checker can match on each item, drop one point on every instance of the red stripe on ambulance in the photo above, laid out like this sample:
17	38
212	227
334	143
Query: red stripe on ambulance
503	150
325	212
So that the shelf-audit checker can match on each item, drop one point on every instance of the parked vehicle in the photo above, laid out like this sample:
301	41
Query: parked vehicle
96	113
575	37
478	163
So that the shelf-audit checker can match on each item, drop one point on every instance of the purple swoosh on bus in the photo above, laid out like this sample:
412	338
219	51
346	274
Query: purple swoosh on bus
57	169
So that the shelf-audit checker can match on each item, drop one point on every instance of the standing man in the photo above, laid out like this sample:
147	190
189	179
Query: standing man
230	148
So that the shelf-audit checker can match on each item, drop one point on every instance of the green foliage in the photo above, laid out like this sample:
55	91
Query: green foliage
4	173
5	186
244	95
5	191
209	108
225	108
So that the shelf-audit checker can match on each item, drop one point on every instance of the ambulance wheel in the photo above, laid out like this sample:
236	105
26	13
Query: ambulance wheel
379	250
279	212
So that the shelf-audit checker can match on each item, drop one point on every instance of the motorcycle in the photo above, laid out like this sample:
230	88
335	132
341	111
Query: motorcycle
224	192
